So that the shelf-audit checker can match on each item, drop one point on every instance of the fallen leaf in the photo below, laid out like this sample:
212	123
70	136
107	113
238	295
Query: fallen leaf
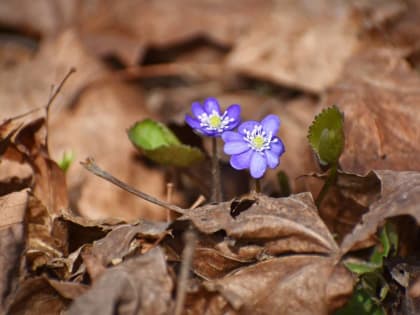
307	285
46	236
138	285
127	28
299	44
36	296
281	225
119	243
379	97
49	180
244	266
400	195
111	108
12	210
48	67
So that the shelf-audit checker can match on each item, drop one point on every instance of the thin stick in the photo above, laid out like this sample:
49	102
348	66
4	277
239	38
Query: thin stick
200	200
51	100
90	165
216	195
22	115
169	193
190	238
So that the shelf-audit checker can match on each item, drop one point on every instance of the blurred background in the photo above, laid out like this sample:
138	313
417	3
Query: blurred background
137	59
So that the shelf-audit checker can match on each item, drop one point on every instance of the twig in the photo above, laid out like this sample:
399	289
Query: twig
22	115
170	216
200	200
190	238
51	100
90	165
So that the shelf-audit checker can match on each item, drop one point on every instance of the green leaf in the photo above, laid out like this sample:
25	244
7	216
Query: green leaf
177	155
326	135
149	135
361	304
66	160
389	241
362	267
158	143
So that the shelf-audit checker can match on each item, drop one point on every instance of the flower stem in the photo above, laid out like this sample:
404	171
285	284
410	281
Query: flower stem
257	185
216	195
331	179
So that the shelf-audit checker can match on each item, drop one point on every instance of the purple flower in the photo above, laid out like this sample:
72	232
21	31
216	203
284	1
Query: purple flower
208	119
255	146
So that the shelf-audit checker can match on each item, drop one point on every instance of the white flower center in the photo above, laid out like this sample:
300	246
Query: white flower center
258	139
215	122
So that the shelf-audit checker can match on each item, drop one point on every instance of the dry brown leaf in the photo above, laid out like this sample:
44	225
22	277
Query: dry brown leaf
36	296
244	270
380	101
46	236
119	243
12	210
138	285
347	201
49	180
277	226
33	79
307	285
126	28
98	124
211	263
400	195
299	44
13	207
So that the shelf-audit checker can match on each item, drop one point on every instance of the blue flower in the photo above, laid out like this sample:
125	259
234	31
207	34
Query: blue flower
255	146
208	119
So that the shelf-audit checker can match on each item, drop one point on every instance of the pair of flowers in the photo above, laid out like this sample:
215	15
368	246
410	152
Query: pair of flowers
254	146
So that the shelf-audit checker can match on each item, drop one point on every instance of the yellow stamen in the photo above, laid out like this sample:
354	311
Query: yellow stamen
258	142
214	121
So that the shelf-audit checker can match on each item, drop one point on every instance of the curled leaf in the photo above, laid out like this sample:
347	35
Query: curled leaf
161	145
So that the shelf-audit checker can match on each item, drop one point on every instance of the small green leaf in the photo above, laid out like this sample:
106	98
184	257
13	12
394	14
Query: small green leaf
66	160
159	144
361	304
177	155
326	135
362	267
149	135
389	241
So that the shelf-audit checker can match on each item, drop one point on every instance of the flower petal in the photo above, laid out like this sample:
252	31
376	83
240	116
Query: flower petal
248	125
197	109
235	147
193	123
210	133
232	136
272	158
258	165
271	123
241	161
211	104
277	147
234	113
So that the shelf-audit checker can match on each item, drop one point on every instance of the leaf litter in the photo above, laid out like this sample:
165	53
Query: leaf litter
72	243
